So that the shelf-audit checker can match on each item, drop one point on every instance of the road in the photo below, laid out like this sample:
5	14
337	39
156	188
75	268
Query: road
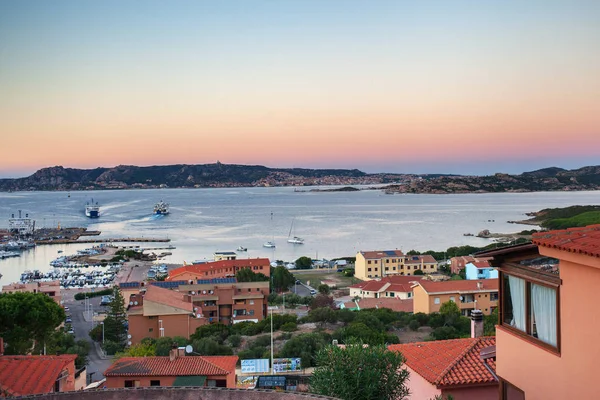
300	289
96	364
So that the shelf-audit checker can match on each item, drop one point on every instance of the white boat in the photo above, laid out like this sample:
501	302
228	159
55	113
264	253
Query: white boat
161	208
92	210
295	239
269	244
242	248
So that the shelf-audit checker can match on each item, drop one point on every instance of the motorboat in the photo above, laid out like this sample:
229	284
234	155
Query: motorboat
269	244
242	248
296	240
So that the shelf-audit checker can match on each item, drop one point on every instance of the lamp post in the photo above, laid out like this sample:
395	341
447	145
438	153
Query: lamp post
102	323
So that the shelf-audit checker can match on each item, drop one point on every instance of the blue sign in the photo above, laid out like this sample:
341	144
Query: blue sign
255	365
286	364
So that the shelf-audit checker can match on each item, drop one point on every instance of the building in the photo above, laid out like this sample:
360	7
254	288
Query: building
393	304
480	270
450	367
391	286
428	296
158	311
224	255
28	375
554	282
174	370
52	289
219	269
457	264
378	264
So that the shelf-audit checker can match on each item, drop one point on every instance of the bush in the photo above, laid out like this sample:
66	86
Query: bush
414	325
112	348
262	341
289	327
82	296
234	340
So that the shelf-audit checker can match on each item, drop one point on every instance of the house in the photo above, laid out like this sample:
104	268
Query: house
219	269
428	296
450	367
393	304
457	264
480	270
381	263
28	375
224	255
546	339
52	289
391	286
174	370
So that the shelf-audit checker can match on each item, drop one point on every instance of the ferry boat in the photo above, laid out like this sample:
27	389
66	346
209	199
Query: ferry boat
161	208
92	210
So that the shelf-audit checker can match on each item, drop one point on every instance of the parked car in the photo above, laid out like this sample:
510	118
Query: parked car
313	291
71	331
105	300
68	320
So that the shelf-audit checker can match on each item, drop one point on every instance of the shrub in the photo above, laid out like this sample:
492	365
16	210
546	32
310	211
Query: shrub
82	296
289	327
414	325
234	340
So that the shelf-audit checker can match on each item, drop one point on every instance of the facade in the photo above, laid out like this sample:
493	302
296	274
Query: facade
547	341
480	270
379	264
394	304
457	264
28	375
175	370
450	367
428	296
51	289
219	269
224	255
391	286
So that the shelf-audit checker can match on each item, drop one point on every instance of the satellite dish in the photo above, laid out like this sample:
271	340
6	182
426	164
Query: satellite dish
128	336
193	292
461	298
135	303
131	303
129	343
204	292
189	349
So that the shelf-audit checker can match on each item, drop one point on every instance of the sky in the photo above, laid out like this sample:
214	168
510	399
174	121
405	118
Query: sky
469	87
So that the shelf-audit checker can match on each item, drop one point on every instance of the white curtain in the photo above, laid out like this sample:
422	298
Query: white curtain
517	297
543	300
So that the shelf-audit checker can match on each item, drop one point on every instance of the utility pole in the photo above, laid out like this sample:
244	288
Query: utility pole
272	366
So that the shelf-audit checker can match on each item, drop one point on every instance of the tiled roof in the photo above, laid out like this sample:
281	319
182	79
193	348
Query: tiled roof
584	240
481	264
462	286
449	362
395	279
426	258
218	265
180	366
381	254
168	297
392	303
25	375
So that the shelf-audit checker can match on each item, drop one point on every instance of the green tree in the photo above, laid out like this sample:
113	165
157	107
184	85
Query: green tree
115	323
139	350
247	275
419	272
360	331
61	342
210	347
282	279
490	322
304	263
324	289
450	311
360	372
322	315
218	332
304	346
235	340
346	316
27	318
321	300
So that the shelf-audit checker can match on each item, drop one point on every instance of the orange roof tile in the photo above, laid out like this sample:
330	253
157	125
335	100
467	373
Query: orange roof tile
25	375
169	297
449	362
584	240
481	264
181	366
462	286
217	265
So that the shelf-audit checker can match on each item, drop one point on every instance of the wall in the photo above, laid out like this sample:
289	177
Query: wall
175	325
425	302
420	388
421	301
360	267
115	382
472	272
572	374
489	392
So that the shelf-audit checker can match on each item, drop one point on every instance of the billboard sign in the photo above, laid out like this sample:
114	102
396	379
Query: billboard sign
286	365
255	366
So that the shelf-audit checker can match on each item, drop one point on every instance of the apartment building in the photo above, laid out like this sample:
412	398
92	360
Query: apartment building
396	286
457	264
224	255
378	264
428	296
219	269
546	339
52	289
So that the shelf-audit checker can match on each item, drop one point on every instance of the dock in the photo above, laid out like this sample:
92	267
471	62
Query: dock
108	240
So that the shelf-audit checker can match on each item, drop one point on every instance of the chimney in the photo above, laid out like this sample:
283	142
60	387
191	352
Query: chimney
479	285
1	346
173	353
476	323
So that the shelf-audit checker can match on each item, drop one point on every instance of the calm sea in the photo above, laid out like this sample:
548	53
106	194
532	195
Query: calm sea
333	224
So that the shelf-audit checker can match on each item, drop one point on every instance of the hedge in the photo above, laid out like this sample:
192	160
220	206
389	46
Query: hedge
104	292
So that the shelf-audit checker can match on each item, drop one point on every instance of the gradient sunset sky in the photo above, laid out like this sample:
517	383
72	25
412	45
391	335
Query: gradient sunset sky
471	87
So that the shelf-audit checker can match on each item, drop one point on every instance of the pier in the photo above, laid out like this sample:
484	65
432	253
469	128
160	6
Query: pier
108	240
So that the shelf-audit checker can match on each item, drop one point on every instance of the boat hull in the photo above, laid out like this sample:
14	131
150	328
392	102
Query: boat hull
92	214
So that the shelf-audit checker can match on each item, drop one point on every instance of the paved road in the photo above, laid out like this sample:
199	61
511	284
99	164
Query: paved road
300	289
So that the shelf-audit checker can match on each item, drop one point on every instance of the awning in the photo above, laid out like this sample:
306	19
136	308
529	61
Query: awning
190	380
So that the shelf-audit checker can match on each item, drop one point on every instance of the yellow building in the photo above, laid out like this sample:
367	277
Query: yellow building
482	294
379	264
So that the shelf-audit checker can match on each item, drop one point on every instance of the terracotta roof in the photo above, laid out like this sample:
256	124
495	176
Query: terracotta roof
399	287
181	366
218	265
449	362
584	240
168	297
426	258
462	286
382	254
394	279
25	375
392	303
481	264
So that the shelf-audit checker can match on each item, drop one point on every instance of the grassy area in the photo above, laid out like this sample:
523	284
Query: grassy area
583	219
316	276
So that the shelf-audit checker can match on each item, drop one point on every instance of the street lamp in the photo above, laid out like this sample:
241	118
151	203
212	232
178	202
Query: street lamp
102	323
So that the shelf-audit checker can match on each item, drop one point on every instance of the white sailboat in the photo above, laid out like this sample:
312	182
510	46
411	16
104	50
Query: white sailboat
294	239
271	243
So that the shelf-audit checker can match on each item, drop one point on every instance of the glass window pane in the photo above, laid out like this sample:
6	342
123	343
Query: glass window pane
514	302
543	313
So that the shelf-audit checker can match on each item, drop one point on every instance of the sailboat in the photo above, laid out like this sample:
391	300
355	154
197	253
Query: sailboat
295	239
271	243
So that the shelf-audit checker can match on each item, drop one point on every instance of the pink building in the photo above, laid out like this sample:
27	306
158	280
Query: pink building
547	337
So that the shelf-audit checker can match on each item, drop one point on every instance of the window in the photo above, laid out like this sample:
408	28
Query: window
510	392
151	330
409	295
387	268
452	299
250	312
376	261
132	384
494	296
251	302
530	308
436	300
369	262
387	261
154	383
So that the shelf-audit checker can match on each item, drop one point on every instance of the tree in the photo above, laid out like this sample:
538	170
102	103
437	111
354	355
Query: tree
61	342
346	316
450	311
115	323
27	318
324	289
490	322
359	372
304	346
247	275
362	332
210	347
146	349
322	315
419	272
282	279
321	300
304	263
